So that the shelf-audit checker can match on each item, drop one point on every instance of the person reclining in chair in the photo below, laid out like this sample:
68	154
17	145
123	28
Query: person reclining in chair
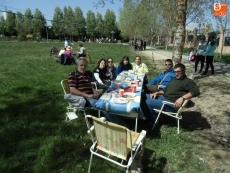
80	85
163	79
179	89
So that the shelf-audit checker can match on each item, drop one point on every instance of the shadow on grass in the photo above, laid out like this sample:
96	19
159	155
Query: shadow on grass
151	163
34	136
191	120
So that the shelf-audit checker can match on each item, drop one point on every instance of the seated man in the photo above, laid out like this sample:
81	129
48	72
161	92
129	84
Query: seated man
179	89
80	85
162	80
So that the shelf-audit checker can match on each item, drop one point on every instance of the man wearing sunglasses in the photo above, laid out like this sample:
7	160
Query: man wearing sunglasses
179	89
162	80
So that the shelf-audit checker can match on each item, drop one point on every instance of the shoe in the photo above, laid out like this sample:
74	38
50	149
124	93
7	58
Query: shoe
212	74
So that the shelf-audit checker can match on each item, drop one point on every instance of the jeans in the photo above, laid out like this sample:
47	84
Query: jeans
149	104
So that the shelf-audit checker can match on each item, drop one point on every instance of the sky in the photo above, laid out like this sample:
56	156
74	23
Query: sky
47	6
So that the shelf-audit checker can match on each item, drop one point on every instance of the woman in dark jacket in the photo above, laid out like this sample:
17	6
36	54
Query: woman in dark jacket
124	65
99	75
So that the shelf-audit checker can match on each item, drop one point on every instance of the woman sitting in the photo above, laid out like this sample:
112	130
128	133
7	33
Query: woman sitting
111	73
82	52
99	75
124	65
138	66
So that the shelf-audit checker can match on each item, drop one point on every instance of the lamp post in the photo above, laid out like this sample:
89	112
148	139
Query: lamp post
112	32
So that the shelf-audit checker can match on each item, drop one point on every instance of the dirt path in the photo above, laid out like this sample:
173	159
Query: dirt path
208	118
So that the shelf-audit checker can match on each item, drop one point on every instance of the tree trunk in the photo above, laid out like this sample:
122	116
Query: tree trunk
180	32
223	41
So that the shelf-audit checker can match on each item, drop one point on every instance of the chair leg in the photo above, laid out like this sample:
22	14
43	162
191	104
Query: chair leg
90	161
136	124
158	116
178	125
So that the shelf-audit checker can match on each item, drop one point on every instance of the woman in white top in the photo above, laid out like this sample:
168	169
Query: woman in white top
82	52
138	66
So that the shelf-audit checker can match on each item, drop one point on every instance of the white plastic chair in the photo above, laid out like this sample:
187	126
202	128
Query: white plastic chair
71	110
176	115
110	139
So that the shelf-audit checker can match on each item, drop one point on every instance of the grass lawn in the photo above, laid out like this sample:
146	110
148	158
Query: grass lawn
34	136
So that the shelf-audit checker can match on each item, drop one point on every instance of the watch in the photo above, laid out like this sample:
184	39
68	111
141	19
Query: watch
183	98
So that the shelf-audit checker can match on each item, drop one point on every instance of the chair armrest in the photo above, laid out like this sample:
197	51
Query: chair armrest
139	139
167	103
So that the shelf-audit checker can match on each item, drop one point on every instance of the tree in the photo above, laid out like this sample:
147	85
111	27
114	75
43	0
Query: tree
109	22
79	22
99	25
90	23
38	23
133	16
222	22
27	24
2	26
10	23
58	22
68	21
19	25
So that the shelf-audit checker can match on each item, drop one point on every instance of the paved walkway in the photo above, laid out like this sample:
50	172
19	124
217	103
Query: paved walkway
158	55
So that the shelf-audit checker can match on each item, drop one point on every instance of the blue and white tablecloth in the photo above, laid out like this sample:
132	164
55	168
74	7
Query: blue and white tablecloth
130	109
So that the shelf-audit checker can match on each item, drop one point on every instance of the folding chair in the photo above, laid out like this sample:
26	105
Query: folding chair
113	140
71	114
176	115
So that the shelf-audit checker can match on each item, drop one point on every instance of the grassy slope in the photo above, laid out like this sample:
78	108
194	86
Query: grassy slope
33	134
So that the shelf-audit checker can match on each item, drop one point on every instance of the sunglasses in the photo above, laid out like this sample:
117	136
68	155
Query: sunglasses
177	71
110	61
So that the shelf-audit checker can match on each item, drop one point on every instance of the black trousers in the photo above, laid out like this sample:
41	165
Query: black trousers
199	58
209	62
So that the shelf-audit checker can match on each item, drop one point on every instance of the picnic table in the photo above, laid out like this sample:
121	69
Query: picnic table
127	105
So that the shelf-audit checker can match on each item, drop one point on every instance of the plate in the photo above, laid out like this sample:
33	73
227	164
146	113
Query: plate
120	100
129	95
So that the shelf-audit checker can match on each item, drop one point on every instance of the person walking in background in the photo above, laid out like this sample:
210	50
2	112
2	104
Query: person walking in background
124	65
138	66
200	55
67	42
210	52
82	52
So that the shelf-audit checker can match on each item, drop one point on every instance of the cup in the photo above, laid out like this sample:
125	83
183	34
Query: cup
118	85
137	82
121	93
113	94
133	88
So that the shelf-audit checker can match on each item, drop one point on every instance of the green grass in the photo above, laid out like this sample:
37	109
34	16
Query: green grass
34	136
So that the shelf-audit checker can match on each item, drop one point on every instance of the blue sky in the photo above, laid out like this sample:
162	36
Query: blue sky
47	6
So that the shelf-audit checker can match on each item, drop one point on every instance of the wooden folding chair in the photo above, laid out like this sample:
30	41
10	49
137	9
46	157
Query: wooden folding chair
176	115
110	139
